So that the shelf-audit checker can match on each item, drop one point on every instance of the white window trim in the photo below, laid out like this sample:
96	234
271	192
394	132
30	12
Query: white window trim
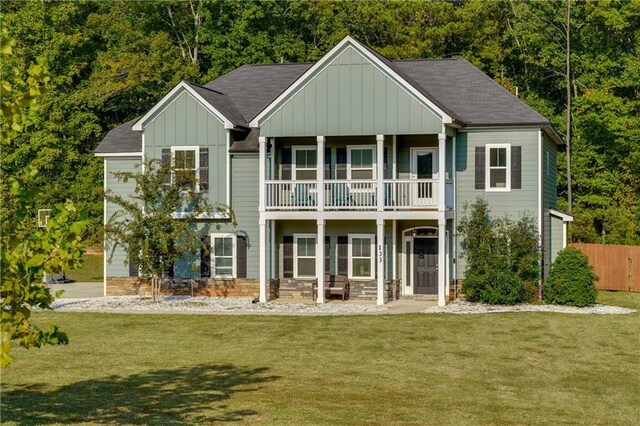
372	260
487	169
197	159
295	254
234	255
294	166
373	148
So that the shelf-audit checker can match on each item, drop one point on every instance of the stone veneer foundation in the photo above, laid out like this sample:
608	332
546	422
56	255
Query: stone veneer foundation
239	287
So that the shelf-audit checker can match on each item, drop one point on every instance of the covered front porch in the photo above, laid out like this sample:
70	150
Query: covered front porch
381	260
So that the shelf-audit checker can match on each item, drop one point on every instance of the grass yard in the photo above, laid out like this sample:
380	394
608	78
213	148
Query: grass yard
91	270
517	368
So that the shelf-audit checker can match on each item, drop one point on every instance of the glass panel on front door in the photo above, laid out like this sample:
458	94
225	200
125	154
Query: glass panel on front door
424	167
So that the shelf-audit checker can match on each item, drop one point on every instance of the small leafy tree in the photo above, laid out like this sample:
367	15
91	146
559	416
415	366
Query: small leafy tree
148	226
502	256
571	280
28	252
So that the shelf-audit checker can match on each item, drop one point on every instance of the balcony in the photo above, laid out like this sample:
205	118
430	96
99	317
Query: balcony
399	194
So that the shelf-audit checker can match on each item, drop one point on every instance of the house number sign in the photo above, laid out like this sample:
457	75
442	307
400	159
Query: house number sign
379	253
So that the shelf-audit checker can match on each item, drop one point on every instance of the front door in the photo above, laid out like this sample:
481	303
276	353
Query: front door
424	169
425	265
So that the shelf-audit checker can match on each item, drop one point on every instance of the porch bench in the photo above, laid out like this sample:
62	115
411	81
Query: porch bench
333	284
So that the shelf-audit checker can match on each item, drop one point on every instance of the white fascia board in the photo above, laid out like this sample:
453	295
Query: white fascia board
565	217
118	154
182	86
325	61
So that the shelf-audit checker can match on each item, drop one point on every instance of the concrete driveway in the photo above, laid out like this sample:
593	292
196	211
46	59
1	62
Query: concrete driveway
94	289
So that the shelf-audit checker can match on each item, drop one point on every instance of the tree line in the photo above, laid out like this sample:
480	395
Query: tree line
109	62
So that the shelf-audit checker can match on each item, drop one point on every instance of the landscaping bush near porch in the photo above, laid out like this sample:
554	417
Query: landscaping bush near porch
571	280
501	256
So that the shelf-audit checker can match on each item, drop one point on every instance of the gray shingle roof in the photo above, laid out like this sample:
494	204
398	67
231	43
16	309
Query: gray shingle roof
121	139
221	102
253	87
457	87
468	94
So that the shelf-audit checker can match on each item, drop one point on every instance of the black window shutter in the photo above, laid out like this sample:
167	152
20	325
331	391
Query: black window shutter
341	163
205	257
287	256
286	164
327	163
241	257
204	169
343	255
133	269
166	159
386	159
480	167
516	167
327	254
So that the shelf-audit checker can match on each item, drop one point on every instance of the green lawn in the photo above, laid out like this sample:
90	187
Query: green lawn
91	269
533	368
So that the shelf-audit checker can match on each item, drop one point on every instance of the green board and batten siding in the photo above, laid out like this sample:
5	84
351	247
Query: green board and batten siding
513	203
186	122
117	267
549	196
349	97
557	236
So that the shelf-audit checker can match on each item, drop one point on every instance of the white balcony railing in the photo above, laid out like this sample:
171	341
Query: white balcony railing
399	194
288	195
410	193
350	194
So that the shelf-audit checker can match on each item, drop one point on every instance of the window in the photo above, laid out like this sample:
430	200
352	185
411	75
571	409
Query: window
361	256
223	253
306	161
305	256
361	160
498	169
185	166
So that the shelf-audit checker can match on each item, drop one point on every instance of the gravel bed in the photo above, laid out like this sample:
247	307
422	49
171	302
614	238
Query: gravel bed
463	307
186	304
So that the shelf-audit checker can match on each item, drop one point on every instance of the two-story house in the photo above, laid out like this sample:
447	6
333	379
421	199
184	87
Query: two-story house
355	165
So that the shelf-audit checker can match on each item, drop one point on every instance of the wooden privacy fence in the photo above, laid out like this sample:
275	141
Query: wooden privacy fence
617	266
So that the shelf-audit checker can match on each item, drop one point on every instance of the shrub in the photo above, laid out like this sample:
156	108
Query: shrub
571	280
501	257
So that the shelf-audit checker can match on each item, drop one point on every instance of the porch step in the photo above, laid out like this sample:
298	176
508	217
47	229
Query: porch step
421	297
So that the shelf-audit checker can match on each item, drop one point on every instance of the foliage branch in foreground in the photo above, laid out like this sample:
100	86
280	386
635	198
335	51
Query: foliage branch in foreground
502	256
29	251
156	226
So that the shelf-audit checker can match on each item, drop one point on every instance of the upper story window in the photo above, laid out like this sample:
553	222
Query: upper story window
362	162
305	256
306	162
185	166
498	167
361	259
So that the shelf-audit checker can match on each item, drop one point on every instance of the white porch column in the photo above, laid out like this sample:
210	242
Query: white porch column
380	171
262	167
442	146
320	173
320	260
442	262
263	261
380	260
394	250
